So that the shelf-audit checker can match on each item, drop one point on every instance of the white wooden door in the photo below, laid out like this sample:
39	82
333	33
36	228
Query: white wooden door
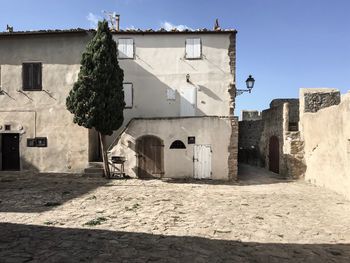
188	101
202	161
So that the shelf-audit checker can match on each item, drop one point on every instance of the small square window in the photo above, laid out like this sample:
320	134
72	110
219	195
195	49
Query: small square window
31	76
193	48
7	127
125	48
128	95
170	94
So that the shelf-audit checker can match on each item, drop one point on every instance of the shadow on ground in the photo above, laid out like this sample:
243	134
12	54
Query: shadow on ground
251	175
28	243
29	193
247	175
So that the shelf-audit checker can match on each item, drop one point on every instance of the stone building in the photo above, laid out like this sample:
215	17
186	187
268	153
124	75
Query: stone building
305	138
276	139
179	92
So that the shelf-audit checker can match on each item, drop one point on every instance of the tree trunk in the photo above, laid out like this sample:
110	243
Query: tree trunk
107	173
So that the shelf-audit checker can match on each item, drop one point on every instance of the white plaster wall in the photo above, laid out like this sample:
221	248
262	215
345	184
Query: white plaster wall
178	163
43	113
327	146
160	63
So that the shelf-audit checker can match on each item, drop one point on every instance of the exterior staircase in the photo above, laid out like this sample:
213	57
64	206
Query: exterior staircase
95	169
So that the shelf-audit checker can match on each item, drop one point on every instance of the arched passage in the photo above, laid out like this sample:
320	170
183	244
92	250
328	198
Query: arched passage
274	155
150	157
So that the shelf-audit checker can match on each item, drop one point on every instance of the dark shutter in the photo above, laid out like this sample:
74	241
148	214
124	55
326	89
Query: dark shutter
25	77
32	76
37	76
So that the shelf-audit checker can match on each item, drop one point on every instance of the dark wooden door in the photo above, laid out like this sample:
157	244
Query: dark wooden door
274	155
10	152
150	157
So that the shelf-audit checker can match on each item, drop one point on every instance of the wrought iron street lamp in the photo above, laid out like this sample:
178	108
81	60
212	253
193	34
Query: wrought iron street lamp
250	85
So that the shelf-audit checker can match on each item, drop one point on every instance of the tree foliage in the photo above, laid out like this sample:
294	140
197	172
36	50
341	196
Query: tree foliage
97	97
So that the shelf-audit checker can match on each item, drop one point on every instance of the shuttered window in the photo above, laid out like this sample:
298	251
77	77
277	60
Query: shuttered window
126	48
128	95
193	48
31	76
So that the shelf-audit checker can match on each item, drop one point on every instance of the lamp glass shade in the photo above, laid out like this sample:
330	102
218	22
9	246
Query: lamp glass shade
250	82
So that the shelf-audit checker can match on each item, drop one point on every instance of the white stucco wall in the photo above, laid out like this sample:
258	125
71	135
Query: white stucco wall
178	163
43	113
159	63
327	146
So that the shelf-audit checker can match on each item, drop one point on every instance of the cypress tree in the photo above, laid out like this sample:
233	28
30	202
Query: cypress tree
97	97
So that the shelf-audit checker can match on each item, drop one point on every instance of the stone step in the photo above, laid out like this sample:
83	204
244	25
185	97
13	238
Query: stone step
95	165
93	170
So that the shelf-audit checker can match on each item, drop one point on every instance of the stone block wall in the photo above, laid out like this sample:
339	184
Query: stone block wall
273	126
280	120
233	150
249	139
250	115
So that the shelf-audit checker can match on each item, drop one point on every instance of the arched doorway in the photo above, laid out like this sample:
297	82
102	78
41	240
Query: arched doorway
274	155
150	156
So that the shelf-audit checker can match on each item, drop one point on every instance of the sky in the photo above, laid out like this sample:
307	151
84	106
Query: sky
284	44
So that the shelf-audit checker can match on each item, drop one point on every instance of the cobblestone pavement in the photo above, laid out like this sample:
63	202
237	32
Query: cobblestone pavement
65	218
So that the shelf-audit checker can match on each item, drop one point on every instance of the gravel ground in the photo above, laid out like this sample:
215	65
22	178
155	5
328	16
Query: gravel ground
262	218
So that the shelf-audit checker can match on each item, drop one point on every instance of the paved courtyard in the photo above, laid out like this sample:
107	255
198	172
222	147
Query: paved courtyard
46	218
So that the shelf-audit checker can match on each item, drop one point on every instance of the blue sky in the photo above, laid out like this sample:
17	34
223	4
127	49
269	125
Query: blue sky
284	44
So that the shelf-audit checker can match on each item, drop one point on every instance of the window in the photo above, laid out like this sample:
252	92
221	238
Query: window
177	145
128	95
126	48
193	48
31	76
170	94
7	127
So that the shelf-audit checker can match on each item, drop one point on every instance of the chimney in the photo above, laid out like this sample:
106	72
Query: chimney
117	22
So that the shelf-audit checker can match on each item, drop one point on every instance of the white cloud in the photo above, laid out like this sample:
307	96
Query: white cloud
93	19
169	26
131	27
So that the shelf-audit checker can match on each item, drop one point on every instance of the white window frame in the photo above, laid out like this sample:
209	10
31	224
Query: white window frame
131	104
190	48
123	47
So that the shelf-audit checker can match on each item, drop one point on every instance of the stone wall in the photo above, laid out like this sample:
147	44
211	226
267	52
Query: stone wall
273	126
233	150
249	139
327	139
280	120
250	115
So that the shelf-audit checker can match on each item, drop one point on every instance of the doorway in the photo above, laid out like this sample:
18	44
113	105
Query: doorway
150	156
10	152
202	161
274	156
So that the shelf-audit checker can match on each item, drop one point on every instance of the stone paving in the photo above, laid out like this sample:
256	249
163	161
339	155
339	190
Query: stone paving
65	218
